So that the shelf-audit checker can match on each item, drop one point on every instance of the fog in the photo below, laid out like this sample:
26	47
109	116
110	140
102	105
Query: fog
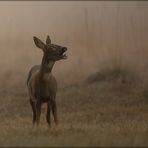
97	34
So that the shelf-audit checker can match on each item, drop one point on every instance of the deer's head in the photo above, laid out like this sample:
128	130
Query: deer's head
53	52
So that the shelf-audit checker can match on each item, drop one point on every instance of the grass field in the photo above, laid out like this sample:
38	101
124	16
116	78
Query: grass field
101	113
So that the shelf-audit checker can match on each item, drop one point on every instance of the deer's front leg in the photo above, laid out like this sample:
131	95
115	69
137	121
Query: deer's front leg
48	113
38	111
54	110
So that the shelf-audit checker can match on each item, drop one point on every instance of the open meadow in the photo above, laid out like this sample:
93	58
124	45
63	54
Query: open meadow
103	113
102	96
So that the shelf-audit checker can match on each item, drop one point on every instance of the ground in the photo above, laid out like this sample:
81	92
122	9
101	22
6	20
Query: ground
103	113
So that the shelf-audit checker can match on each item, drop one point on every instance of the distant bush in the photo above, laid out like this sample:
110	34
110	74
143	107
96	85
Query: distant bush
112	74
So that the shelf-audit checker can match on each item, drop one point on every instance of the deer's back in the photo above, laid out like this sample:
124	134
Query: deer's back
32	70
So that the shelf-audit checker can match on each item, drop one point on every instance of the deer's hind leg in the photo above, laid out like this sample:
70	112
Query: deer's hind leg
33	105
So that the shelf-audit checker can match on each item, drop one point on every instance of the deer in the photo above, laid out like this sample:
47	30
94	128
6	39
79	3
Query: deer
42	85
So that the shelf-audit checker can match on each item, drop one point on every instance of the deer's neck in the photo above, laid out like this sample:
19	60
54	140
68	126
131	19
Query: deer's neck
46	66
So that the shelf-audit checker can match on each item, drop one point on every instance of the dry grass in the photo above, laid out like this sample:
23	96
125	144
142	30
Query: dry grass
105	113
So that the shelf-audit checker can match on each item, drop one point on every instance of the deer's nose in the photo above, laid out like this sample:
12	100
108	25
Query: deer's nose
64	49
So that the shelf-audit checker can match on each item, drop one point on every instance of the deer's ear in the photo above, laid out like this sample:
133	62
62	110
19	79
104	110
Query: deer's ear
48	40
39	43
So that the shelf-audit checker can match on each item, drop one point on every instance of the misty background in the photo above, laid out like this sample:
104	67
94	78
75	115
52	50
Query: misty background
97	34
